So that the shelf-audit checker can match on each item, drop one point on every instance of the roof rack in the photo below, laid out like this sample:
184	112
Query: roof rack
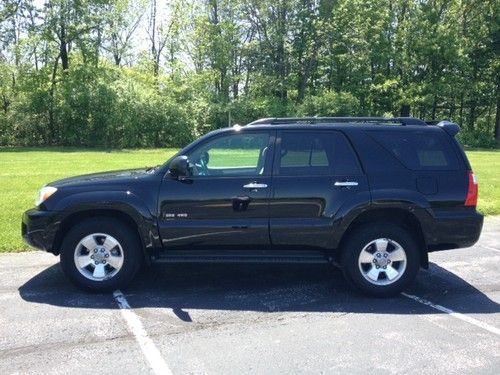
316	120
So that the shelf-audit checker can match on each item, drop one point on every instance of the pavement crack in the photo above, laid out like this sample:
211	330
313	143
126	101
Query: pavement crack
56	345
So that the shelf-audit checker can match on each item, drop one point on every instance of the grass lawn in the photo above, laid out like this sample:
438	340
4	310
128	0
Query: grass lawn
486	166
24	171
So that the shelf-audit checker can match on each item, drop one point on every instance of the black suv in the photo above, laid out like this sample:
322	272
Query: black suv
374	195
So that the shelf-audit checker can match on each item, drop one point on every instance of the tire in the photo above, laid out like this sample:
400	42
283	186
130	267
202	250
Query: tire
375	271
111	244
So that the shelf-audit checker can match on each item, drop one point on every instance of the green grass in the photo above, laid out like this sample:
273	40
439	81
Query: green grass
24	171
486	166
238	158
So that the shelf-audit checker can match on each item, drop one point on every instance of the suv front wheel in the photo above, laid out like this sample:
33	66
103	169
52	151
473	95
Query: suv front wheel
380	259
101	254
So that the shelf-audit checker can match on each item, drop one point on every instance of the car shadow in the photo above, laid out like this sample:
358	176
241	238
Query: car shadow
262	288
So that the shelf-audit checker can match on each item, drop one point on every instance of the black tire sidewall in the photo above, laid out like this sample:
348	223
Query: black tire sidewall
123	233
359	238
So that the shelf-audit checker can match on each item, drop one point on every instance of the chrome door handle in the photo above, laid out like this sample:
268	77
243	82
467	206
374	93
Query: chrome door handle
254	185
345	183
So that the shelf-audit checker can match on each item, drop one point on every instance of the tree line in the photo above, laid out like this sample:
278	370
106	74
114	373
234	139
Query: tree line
149	73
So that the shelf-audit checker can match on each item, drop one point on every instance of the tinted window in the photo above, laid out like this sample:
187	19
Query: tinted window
315	153
232	155
298	154
418	150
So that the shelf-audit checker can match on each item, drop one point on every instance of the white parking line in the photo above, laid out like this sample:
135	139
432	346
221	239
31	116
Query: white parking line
489	248
460	316
147	345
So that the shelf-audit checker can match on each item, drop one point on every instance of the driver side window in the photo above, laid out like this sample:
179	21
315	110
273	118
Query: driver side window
241	154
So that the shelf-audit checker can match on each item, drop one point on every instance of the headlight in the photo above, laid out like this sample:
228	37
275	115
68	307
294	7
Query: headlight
44	194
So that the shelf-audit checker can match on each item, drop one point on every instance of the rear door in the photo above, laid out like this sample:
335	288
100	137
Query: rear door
314	174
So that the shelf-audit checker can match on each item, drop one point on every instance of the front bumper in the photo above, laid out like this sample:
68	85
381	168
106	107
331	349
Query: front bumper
39	229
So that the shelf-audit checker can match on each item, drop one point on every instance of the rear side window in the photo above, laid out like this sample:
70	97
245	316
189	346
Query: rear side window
315	153
418	151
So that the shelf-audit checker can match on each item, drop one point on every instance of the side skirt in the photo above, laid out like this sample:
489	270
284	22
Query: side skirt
243	256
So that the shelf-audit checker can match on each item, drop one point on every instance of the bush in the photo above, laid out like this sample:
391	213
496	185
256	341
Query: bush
121	107
477	138
100	106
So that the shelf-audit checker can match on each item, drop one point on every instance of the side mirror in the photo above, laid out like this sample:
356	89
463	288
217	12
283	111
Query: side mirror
179	167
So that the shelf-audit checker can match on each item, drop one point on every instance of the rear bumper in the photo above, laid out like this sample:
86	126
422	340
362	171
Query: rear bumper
454	229
39	229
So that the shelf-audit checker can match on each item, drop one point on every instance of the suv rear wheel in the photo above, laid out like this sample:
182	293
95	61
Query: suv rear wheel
381	259
101	254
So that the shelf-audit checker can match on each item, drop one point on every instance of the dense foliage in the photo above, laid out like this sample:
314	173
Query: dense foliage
135	73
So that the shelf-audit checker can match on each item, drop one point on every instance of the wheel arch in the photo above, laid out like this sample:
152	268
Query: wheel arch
391	215
112	213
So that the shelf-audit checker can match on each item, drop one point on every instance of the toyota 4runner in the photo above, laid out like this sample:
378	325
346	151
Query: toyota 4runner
374	195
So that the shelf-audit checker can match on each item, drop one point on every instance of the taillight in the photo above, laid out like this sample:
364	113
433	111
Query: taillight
472	191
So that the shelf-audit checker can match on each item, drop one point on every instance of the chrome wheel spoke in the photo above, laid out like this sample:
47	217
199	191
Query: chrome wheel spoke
83	260
373	273
89	242
397	255
391	272
365	257
115	261
381	244
99	271
110	243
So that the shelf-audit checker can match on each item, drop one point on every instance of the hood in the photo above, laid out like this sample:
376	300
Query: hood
112	177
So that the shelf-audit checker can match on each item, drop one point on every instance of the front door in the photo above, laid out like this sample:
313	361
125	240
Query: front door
315	173
224	203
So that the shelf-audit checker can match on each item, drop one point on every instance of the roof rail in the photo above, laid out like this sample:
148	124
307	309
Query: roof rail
316	120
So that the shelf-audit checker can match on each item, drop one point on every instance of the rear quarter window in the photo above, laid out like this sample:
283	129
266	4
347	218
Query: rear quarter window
418	150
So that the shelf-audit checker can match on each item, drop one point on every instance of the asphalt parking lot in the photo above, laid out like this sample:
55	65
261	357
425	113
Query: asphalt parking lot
274	319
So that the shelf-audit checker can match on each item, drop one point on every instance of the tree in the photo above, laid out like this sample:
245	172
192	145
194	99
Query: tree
76	71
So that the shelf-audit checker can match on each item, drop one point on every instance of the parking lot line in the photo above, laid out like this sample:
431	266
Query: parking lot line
147	345
489	248
455	314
